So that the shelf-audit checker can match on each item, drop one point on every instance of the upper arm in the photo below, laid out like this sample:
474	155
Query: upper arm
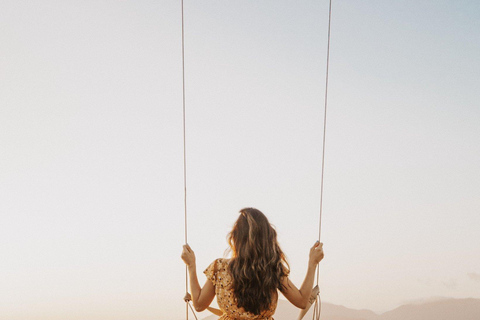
207	293
291	292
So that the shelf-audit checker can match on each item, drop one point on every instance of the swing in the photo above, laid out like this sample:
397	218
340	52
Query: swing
315	295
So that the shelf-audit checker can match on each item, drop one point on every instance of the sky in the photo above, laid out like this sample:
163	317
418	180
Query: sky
91	161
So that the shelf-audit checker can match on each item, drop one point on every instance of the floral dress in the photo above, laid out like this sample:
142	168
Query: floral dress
218	273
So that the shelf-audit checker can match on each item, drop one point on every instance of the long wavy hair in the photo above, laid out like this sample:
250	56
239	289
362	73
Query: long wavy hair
258	264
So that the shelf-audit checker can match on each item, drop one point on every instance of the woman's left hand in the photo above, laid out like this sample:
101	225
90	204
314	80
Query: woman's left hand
188	256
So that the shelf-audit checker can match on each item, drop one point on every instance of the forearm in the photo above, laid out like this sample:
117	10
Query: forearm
194	285
307	285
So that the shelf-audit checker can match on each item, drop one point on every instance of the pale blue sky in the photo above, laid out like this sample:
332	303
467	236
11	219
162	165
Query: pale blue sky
91	192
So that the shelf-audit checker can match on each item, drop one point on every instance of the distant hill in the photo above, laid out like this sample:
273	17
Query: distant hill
445	309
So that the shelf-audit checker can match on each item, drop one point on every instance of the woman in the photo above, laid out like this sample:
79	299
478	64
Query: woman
246	285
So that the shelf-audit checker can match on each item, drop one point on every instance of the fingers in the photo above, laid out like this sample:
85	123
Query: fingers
318	248
188	256
318	245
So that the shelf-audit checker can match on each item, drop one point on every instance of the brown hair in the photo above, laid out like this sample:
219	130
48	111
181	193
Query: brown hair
258	264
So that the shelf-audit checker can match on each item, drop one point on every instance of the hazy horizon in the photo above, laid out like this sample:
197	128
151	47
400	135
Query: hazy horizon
91	168
426	309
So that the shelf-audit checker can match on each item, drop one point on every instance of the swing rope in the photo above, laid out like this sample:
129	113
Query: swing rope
318	302
187	301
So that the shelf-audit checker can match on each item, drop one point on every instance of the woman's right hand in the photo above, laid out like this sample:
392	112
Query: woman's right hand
316	253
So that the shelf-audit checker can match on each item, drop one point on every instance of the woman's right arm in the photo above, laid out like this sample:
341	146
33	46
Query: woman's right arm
201	297
300	297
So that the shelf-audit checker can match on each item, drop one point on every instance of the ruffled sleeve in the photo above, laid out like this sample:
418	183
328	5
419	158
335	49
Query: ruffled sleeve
211	271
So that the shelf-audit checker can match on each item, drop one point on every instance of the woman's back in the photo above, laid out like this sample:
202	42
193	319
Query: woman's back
218	273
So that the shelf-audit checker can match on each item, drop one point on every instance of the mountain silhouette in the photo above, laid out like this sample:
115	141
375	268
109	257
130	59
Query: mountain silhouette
445	309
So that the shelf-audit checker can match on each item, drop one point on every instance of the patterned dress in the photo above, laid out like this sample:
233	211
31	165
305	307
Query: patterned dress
218	273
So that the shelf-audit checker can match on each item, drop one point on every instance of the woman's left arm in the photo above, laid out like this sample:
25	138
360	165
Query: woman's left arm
201	297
